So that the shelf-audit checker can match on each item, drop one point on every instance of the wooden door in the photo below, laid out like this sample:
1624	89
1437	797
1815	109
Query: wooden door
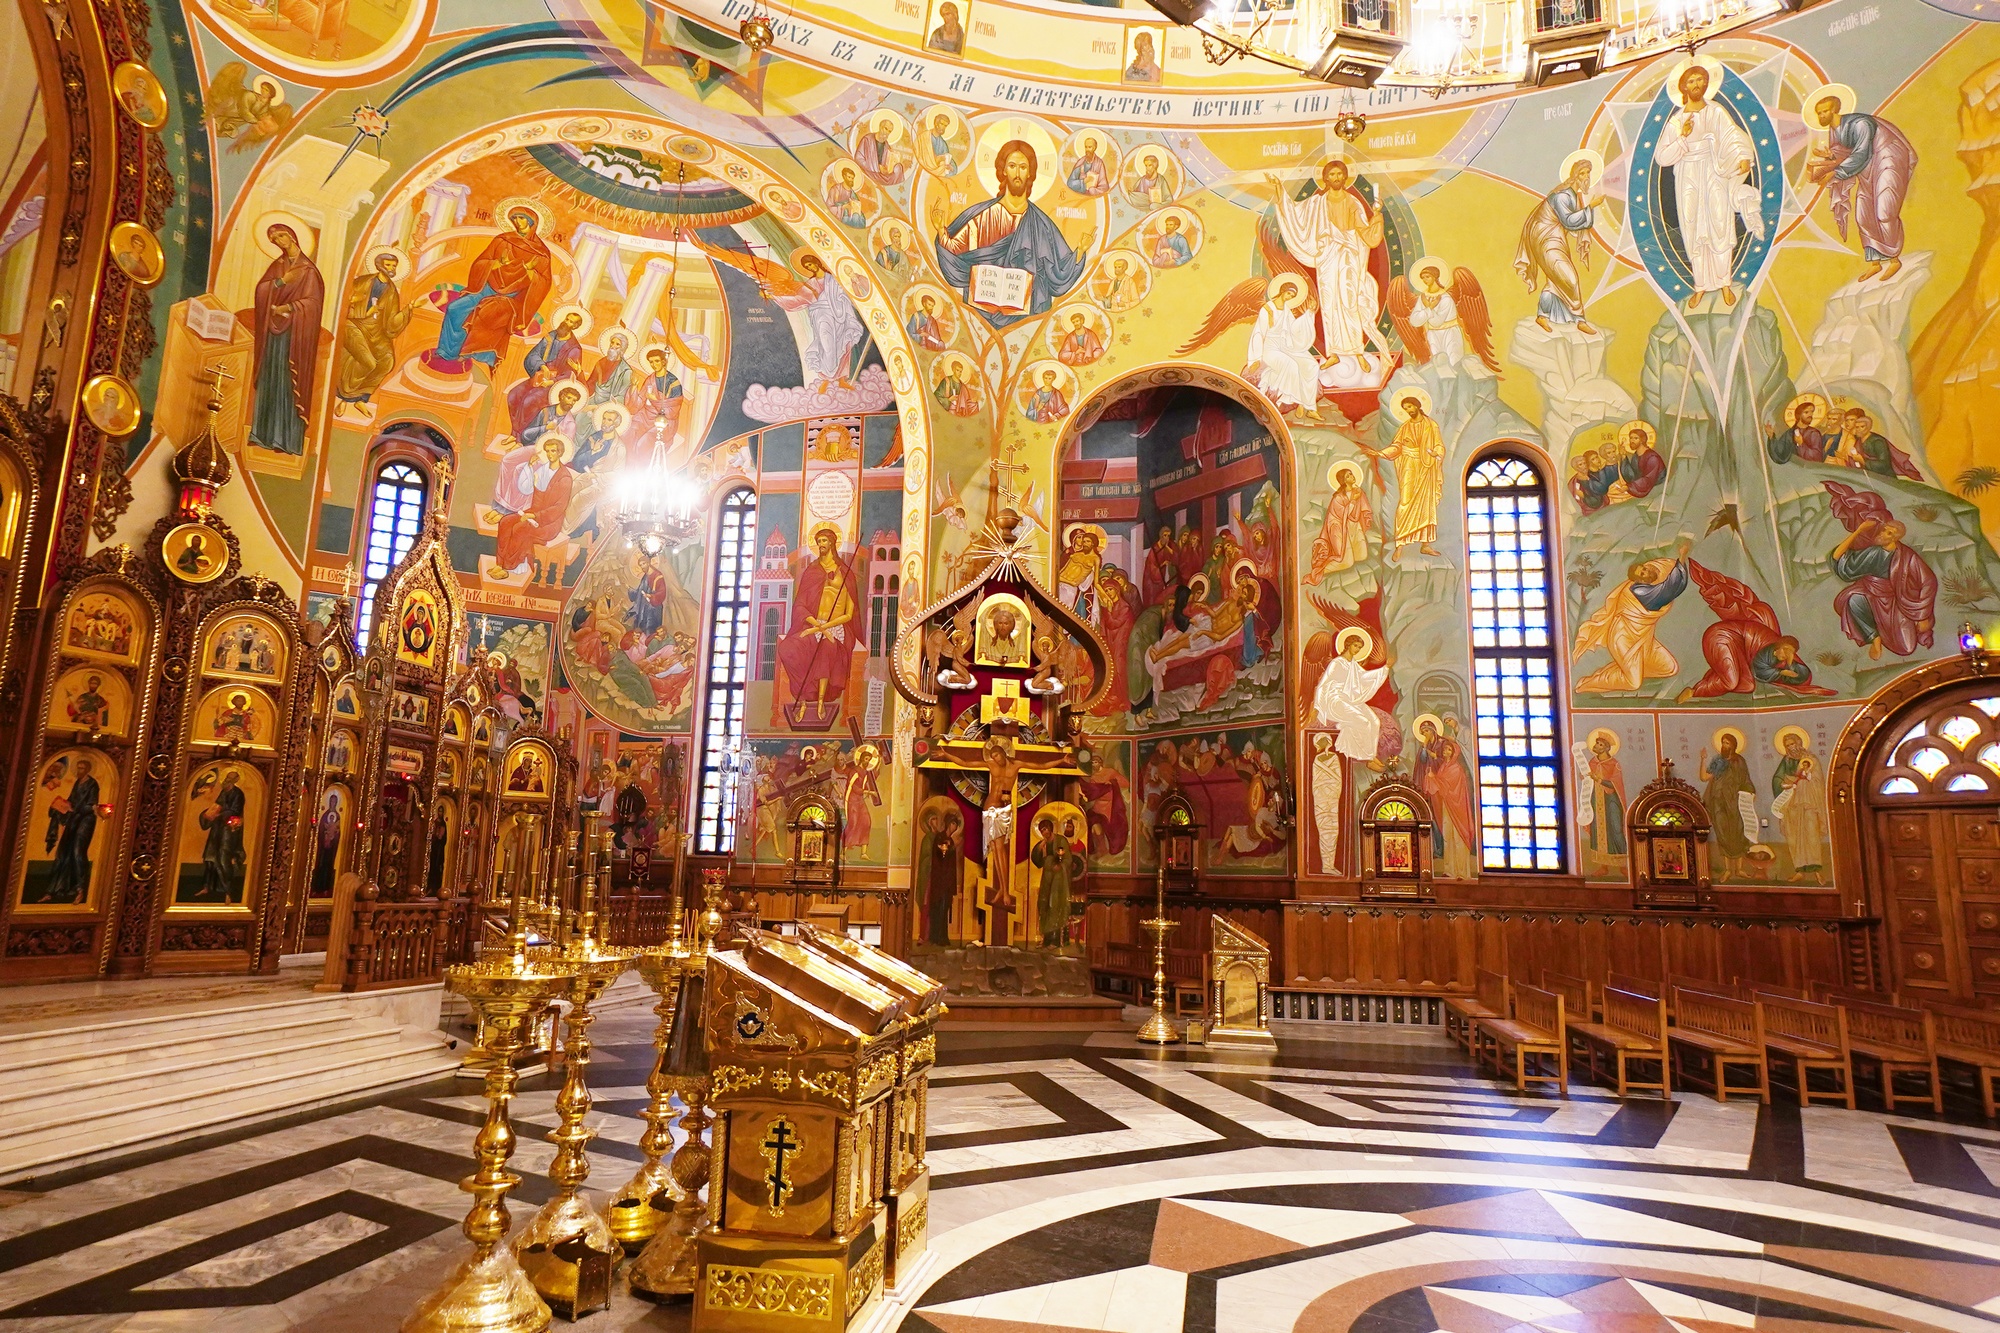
1934	793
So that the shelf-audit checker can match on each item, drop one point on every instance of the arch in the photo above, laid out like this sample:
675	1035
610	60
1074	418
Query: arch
1284	475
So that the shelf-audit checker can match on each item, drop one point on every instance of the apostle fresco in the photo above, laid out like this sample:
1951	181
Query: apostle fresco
1745	647
375	315
1890	600
503	293
285	323
819	645
223	861
1625	626
1010	231
1866	163
1726	782
72	827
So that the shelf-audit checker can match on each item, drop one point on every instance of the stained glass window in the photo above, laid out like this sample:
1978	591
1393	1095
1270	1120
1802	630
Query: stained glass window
1396	812
1899	786
1513	667
1967	782
735	539
1959	729
395	516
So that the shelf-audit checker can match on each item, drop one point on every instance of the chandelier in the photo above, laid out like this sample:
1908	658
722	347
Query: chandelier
658	507
1441	45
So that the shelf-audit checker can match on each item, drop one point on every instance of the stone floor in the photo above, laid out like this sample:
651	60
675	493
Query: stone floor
1371	1183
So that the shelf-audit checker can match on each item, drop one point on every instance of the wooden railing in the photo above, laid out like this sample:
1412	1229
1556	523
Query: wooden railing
1136	960
398	944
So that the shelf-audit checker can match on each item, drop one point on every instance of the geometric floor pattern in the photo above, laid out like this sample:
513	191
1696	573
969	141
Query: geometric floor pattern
1371	1183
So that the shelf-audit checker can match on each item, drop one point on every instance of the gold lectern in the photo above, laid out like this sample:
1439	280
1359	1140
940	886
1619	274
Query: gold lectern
1239	987
906	1181
803	1057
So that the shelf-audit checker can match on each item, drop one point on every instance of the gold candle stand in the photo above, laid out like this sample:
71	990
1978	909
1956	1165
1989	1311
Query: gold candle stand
489	1292
1158	1029
567	1248
645	1201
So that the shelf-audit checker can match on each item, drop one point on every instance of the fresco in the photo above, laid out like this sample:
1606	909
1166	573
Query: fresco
1740	304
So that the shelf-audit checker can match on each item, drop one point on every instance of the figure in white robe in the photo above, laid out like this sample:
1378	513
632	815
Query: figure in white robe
1711	158
1281	349
1334	231
1341	699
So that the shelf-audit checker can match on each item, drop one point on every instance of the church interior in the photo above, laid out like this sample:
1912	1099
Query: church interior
999	666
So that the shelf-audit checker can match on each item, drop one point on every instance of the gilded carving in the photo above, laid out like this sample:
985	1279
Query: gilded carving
734	1078
754	1290
829	1084
876	1075
867	1275
911	1226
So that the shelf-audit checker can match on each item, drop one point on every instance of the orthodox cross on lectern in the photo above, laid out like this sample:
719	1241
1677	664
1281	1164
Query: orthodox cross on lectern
781	1141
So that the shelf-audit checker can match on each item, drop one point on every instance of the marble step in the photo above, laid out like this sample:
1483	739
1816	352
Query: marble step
105	1122
81	1090
144	1044
63	1084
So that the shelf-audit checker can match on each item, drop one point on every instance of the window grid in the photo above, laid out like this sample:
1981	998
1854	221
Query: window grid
1513	668
728	671
767	642
395	516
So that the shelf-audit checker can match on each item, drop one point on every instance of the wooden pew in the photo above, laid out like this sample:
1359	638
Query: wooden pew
1900	1043
1761	988
1707	986
1827	993
1535	1032
1969	1037
1577	1000
1462	1012
1808	1038
1730	1032
1652	990
1633	1029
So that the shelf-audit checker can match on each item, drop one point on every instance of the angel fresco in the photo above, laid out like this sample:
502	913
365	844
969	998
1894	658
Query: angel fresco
253	112
1438	323
807	286
1890	600
1280	354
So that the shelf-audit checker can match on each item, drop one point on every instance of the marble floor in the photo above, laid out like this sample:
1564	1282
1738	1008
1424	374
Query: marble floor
1371	1182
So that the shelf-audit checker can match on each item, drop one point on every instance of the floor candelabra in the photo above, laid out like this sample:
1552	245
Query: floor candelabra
1158	1029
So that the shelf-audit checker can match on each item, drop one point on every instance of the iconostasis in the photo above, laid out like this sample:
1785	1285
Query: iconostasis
1723	319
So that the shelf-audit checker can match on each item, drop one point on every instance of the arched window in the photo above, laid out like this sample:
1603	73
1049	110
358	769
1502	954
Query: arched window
1514	666
728	671
395	516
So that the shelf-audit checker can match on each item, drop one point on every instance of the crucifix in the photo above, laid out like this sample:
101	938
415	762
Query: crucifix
781	1141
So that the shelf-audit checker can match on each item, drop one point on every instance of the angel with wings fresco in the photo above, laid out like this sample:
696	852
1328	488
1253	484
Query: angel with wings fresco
808	287
1440	324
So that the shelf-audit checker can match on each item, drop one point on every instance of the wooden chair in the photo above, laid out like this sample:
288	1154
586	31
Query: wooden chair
1462	1012
1969	1037
1730	1033
1535	1033
1808	1038
1900	1043
1633	1030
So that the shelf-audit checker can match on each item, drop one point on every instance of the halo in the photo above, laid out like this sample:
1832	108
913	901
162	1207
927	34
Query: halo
1340	641
1431	261
1840	92
1008	128
582	329
555	390
1198	581
1742	742
1236	571
541	445
521	203
280	217
1651	435
1103	538
1272	287
1817	399
889	118
1412	391
798	258
953	362
618	410
1709	63
1417	723
1607	733
1778	740
1347	466
616	331
646	354
384	251
1596	161
270	87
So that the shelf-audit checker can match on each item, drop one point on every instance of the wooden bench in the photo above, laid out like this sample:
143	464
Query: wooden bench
1729	1032
1535	1032
1762	988
1633	1029
1901	1044
1969	1037
1576	993
1462	1012
1652	990
1808	1038
1707	986
1827	993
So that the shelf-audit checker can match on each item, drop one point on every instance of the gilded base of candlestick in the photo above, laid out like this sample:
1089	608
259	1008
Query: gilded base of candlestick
1158	1029
489	1295
668	1265
642	1206
568	1253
